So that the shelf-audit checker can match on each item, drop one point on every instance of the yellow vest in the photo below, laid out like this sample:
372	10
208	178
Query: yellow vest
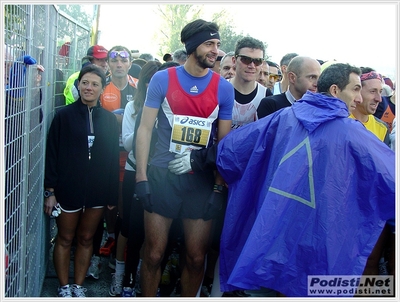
70	92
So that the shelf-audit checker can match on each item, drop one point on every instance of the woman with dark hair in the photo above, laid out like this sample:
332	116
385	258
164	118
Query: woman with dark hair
132	213
81	176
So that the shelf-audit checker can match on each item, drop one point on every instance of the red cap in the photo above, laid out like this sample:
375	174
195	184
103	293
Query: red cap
97	51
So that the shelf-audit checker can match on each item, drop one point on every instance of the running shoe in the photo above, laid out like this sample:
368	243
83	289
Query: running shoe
78	291
94	268
64	291
116	284
128	292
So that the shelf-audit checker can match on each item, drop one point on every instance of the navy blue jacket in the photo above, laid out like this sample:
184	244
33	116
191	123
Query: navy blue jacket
271	104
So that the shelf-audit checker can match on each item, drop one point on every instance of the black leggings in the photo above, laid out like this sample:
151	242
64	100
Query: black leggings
132	224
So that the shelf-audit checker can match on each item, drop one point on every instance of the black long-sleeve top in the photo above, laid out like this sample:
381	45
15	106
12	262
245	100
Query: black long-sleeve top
83	176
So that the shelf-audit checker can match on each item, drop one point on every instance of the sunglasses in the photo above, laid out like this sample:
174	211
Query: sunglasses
123	54
276	77
248	60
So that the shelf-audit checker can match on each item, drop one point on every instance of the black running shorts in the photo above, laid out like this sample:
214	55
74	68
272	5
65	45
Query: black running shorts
180	196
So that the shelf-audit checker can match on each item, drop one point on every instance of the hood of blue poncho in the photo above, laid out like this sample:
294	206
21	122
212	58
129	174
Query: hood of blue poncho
314	109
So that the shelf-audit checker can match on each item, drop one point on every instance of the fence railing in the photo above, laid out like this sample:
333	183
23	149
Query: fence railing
33	35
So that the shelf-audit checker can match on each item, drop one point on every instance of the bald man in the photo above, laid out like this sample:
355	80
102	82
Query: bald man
302	73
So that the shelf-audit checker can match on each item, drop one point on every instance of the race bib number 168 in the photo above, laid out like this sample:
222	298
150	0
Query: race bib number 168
189	133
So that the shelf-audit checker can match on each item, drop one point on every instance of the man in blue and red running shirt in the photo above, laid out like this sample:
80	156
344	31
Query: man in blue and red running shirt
193	106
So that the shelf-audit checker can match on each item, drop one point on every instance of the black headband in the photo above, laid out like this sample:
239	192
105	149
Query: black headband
194	41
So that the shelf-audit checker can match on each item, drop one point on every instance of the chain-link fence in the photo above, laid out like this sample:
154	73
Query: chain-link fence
34	36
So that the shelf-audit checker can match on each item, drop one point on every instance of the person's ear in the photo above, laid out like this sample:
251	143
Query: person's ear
334	90
292	77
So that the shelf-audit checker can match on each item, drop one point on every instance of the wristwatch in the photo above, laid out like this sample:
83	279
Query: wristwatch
47	194
219	188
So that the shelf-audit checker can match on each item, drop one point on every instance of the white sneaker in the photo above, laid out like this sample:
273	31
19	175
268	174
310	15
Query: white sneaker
94	268
116	284
65	291
78	291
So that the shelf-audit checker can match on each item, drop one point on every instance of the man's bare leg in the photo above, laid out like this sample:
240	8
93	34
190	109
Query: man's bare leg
197	233
156	229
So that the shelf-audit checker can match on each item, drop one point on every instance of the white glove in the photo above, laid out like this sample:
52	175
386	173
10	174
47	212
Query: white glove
181	163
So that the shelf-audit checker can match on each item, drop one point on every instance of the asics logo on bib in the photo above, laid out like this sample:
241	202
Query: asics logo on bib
193	122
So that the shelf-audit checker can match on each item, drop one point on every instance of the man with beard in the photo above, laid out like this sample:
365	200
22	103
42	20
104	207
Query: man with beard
193	109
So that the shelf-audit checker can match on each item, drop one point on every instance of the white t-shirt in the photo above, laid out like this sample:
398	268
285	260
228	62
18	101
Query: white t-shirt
128	130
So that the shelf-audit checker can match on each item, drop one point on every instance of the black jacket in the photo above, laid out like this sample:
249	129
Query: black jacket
271	104
77	180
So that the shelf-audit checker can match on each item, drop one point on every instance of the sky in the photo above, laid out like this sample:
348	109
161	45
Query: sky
362	34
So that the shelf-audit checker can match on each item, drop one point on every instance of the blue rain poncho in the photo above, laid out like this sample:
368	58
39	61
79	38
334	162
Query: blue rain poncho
310	191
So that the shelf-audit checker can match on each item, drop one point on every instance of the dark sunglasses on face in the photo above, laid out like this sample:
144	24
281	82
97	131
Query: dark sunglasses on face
248	60
123	54
276	77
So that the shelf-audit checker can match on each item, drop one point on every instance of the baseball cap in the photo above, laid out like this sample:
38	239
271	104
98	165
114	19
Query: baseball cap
97	51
